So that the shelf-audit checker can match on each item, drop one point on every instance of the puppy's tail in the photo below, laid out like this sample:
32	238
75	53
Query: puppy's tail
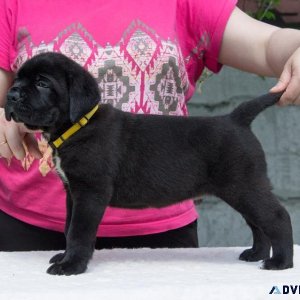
245	113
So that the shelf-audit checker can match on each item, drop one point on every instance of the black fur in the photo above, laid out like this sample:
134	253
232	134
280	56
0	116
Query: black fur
136	161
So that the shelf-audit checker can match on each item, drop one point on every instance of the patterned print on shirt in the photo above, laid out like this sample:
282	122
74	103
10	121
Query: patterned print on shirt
142	73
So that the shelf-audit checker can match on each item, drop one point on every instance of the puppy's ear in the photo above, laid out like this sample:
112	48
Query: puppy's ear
83	94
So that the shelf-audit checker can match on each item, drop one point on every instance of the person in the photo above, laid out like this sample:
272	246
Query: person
146	57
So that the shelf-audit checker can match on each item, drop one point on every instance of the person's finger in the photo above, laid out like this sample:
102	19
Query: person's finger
4	148
32	146
279	87
292	93
283	81
15	142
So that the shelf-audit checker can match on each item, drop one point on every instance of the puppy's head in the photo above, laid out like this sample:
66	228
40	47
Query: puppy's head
49	91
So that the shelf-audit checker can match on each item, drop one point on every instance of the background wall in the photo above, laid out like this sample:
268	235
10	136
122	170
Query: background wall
287	12
277	128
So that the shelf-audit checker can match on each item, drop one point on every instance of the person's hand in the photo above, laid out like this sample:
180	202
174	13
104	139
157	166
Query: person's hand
289	81
14	138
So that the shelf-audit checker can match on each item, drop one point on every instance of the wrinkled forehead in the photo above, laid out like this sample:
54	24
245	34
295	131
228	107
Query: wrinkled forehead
41	65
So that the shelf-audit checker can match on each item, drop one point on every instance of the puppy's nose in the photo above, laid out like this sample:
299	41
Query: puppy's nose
14	95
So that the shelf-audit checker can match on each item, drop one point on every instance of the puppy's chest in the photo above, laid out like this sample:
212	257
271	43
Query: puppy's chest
58	167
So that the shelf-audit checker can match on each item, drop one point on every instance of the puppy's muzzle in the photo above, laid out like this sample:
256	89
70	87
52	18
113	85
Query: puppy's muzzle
14	95
15	108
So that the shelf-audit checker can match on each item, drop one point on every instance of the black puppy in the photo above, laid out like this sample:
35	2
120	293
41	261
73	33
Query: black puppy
135	161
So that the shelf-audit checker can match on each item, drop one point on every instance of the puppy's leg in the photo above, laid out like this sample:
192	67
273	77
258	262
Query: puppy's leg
261	208
261	246
279	230
81	236
58	257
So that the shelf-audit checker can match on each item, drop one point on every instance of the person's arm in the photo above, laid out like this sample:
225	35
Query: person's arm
267	50
6	79
12	135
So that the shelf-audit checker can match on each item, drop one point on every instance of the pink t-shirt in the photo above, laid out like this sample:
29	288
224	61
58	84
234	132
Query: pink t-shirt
145	55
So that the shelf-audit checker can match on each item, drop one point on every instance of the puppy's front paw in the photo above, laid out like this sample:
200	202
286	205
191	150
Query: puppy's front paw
68	267
57	258
70	262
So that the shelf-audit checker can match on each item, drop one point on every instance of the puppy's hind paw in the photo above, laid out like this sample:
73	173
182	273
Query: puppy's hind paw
252	255
276	264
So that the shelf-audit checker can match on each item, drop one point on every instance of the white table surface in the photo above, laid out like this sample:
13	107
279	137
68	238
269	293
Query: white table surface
205	273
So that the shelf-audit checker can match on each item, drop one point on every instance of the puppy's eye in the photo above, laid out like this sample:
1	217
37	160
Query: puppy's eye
42	84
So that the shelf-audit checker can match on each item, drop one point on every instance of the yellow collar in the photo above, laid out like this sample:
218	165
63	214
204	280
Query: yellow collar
81	123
